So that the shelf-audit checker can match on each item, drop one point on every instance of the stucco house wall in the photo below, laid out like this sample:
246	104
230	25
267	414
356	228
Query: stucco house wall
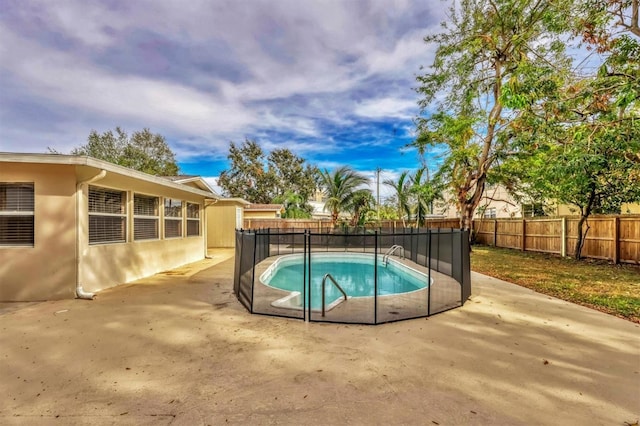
51	267
48	269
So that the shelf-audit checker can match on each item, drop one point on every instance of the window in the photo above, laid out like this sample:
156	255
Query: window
107	216
16	214
172	218
490	213
145	217
193	219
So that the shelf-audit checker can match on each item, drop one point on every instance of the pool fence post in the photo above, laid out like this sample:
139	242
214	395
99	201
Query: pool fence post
429	274
253	269
375	280
304	280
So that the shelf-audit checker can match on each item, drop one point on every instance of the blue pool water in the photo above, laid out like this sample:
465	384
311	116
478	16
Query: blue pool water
353	271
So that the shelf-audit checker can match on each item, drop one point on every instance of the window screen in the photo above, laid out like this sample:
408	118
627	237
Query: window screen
107	216
172	218
145	217
16	214
193	219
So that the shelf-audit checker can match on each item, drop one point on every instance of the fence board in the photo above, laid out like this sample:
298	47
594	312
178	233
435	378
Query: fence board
545	235
629	240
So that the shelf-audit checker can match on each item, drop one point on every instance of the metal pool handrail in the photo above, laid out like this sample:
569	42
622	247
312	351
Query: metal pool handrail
324	281
391	250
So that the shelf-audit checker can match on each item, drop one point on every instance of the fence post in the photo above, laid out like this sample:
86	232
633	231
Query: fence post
495	232
524	234
375	280
563	237
616	240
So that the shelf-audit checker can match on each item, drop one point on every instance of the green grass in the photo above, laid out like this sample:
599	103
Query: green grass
614	289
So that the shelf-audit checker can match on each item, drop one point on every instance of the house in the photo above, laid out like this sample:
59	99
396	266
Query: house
498	203
73	225
263	211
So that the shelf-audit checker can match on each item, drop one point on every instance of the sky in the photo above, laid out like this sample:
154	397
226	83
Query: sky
332	81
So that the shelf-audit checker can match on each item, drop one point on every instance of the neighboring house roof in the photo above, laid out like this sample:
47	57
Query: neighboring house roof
84	161
236	200
264	207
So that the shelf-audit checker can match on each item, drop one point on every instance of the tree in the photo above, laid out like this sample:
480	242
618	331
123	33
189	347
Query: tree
586	137
423	194
261	179
340	187
490	53
361	204
292	174
401	187
295	206
247	177
143	151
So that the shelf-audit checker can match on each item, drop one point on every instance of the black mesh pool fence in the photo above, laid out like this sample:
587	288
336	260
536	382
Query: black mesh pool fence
352	275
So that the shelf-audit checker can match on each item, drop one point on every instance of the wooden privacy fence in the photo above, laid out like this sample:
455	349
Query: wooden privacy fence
615	238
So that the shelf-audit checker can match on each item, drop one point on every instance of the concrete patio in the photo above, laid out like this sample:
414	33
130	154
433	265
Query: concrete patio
177	348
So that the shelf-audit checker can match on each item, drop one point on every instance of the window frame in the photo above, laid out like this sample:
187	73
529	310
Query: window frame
95	213
139	219
192	219
168	218
18	213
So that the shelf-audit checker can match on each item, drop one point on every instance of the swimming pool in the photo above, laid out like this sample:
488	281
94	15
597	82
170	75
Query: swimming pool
354	272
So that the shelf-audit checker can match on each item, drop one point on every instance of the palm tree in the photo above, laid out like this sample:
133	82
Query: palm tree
294	204
424	193
362	203
340	187
402	194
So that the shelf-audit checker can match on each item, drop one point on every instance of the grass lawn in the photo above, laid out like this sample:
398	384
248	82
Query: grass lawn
614	289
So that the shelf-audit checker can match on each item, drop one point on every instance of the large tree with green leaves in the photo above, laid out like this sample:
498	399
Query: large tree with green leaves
581	145
259	178
144	151
292	174
247	176
341	187
488	53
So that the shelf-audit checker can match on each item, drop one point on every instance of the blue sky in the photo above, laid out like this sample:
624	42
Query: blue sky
330	80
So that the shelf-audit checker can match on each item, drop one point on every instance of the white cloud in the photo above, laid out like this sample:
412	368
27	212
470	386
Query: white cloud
387	107
63	79
213	183
306	71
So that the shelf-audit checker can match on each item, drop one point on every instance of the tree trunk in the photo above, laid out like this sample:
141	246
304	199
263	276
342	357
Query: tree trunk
581	237
584	215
